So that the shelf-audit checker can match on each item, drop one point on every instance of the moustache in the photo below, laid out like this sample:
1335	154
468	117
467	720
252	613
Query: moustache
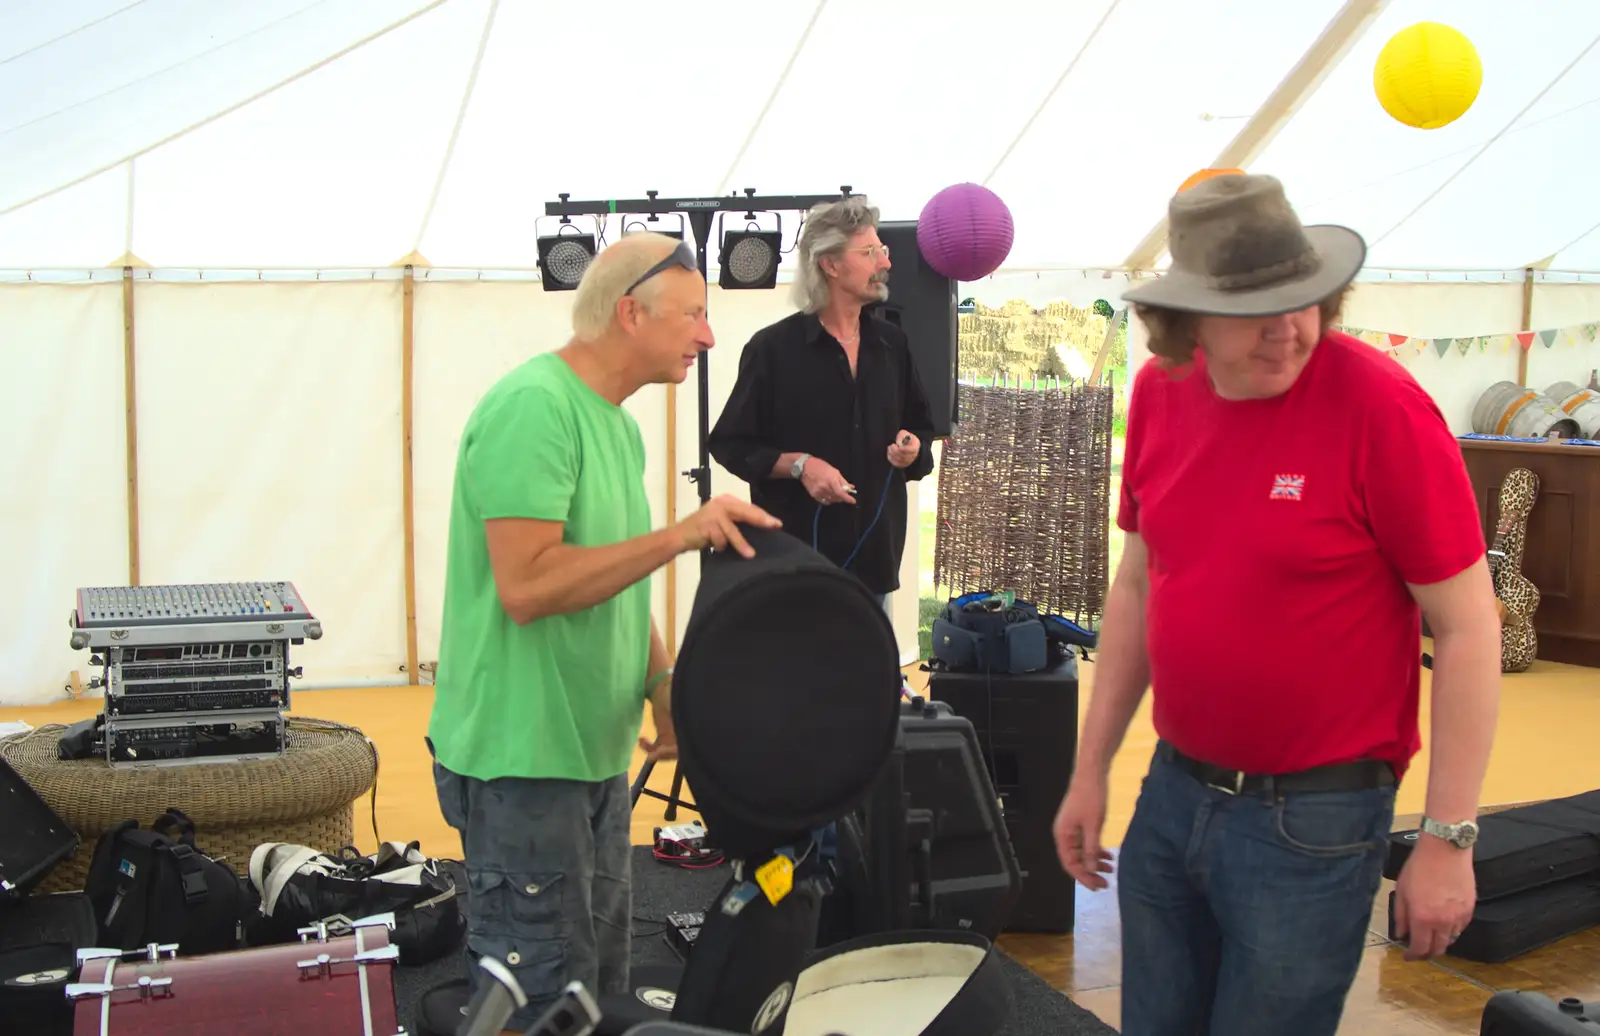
879	278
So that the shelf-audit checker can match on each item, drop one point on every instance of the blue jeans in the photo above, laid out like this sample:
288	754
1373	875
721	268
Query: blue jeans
548	874
1245	915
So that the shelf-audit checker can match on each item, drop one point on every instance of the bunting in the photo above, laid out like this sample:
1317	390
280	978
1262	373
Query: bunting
1401	346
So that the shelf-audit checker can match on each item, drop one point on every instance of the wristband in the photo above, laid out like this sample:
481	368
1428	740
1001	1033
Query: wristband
650	688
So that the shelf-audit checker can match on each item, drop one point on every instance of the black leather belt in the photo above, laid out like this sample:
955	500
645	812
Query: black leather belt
1356	776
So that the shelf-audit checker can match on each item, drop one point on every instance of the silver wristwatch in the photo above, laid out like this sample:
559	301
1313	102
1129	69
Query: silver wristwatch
798	468
1463	835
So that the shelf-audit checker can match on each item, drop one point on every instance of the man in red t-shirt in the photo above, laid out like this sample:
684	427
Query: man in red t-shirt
1293	503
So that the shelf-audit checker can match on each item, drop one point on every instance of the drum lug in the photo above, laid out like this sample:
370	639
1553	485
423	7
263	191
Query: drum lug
320	930
152	952
147	987
384	920
323	964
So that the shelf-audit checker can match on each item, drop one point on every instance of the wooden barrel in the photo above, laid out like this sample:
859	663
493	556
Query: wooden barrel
1507	408
1580	404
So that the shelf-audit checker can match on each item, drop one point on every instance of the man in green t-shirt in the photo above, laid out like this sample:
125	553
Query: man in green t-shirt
547	650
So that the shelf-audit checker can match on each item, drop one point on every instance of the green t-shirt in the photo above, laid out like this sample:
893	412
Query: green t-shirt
562	696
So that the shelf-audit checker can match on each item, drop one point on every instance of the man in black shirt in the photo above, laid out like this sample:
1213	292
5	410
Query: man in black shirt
828	418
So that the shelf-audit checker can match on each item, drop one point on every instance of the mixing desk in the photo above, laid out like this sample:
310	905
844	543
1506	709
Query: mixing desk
191	613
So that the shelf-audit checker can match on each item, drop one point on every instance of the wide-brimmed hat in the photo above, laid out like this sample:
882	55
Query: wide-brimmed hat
1238	249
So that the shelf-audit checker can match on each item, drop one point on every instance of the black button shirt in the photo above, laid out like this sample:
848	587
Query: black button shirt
795	394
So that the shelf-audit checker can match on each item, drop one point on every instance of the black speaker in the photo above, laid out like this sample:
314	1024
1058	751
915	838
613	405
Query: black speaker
928	850
1516	1012
1027	727
922	303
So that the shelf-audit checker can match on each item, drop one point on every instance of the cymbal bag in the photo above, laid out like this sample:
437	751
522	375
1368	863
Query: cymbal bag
931	983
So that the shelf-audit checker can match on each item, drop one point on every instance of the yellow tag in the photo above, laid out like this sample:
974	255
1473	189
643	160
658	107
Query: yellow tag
776	878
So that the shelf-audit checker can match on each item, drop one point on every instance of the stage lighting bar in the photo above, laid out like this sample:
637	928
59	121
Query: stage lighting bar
646	226
654	206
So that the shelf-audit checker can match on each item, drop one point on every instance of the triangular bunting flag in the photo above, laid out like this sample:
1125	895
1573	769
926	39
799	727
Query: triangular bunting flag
1442	345
1591	330
1464	344
1395	340
1549	338
1525	339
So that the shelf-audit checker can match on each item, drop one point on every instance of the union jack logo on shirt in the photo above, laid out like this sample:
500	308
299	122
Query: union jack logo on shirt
1288	487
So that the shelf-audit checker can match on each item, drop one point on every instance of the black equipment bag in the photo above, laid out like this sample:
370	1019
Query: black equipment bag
39	942
35	839
299	887
785	695
1505	928
1524	847
156	886
987	632
1514	1012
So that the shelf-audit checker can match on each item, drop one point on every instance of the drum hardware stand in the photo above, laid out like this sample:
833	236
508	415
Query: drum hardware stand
698	212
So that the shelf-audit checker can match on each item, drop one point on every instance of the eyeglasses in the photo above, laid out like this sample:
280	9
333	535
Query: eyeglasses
872	251
682	256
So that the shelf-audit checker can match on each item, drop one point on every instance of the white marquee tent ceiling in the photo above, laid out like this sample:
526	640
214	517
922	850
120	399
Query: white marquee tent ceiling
323	133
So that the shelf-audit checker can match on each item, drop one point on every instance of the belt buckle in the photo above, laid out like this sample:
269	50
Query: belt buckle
1237	786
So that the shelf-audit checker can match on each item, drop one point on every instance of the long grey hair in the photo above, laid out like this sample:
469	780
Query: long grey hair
827	231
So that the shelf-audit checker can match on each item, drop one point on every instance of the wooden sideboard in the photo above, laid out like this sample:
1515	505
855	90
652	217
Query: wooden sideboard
1563	549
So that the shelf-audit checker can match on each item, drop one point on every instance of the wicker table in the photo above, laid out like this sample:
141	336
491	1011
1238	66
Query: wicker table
305	797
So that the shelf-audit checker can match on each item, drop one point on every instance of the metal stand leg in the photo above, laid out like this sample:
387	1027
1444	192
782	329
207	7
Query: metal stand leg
672	798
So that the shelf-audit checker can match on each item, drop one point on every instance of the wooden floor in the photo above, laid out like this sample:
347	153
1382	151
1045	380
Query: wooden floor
1539	753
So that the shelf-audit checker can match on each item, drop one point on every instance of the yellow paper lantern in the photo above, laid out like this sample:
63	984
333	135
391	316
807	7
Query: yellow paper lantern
1206	174
1427	75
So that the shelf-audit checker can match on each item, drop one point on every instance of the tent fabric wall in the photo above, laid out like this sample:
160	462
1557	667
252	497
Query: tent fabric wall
63	511
269	447
269	439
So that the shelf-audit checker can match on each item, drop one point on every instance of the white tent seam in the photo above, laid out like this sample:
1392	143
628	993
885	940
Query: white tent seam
1083	49
455	130
69	34
777	87
213	117
102	95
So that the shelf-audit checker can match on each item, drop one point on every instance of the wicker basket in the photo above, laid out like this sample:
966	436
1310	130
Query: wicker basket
306	797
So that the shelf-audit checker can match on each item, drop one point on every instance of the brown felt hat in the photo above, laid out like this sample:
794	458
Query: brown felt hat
1238	249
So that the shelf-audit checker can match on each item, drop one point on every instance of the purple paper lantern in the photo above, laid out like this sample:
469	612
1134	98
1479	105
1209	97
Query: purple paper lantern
965	232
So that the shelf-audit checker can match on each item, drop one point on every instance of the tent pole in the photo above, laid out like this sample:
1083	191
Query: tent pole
1527	324
130	403
407	493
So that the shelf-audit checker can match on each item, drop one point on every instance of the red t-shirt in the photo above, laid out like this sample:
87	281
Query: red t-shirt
1281	535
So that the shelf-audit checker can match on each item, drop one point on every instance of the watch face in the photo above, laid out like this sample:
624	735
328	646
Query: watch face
1466	835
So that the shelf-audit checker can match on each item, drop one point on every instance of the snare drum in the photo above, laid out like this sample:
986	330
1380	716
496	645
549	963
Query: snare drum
325	984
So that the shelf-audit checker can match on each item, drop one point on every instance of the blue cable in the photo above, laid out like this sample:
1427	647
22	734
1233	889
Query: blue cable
883	496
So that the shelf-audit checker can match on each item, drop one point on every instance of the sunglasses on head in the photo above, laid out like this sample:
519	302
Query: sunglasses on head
682	256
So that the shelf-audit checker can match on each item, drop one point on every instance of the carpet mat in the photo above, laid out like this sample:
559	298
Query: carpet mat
660	889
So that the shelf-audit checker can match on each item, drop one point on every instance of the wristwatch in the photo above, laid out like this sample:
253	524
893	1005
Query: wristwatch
1463	835
798	468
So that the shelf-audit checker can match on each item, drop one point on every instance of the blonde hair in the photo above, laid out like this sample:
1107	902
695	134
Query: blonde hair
606	281
828	229
1172	332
